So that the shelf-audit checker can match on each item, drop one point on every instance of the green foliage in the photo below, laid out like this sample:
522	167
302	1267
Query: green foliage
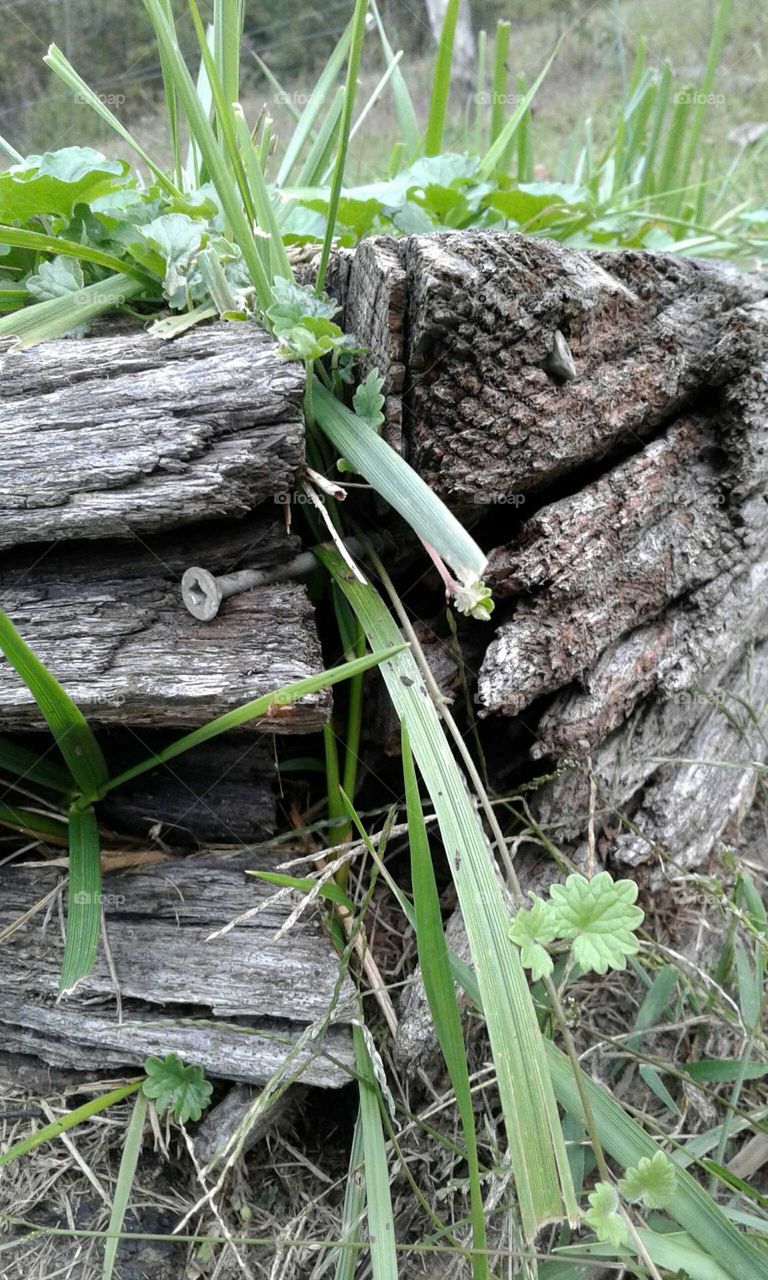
599	917
651	1180
182	1088
368	402
603	1215
530	930
596	916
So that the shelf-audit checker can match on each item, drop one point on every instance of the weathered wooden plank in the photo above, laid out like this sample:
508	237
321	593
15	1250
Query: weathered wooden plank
667	658
109	622
235	1003
590	567
465	322
689	806
105	436
221	792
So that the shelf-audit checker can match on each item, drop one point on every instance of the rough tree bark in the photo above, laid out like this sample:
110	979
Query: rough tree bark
127	434
235	1004
634	588
109	621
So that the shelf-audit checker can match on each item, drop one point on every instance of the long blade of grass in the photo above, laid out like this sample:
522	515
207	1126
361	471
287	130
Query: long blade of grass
83	899
381	1223
30	823
69	1121
441	996
40	243
499	77
61	67
33	768
539	1159
251	711
74	737
497	150
317	100
408	125
441	81
57	316
689	1204
398	483
354	1207
316	161
719	29
660	108
125	1175
211	151
228	17
350	92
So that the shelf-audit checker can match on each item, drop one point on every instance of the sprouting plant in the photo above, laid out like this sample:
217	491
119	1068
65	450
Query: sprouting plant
171	1084
603	1215
597	917
86	780
652	1180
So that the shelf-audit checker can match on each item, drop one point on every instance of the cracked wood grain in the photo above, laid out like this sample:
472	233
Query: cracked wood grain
109	622
235	1004
106	436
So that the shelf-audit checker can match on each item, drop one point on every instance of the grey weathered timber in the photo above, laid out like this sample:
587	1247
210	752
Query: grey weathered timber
670	659
219	793
105	436
235	1004
462	326
587	569
109	622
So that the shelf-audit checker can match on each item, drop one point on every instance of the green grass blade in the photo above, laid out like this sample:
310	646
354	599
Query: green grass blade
671	170
660	108
719	30
381	1224
441	996
83	899
398	483
354	1207
262	201
126	1173
524	137
212	153
408	125
316	162
539	1159
499	78
497	150
57	316
65	71
317	100
441	81
350	91
690	1205
22	239
32	768
67	1122
480	92
29	823
74	737
251	711
228	18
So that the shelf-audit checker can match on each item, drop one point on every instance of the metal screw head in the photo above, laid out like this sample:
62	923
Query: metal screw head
201	594
559	363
